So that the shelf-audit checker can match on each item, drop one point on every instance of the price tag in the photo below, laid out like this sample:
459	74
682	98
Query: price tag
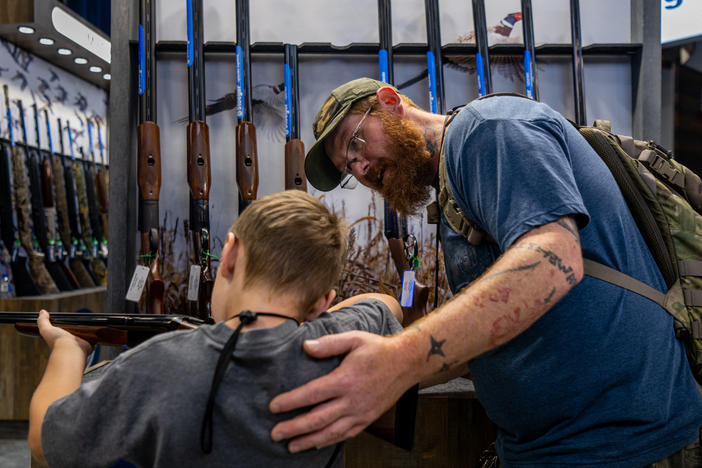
136	286
194	283
407	288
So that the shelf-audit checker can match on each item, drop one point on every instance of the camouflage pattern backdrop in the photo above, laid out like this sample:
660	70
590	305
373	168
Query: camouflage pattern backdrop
608	80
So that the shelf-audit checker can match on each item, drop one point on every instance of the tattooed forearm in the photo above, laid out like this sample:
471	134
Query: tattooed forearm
512	270
552	258
435	348
570	226
548	298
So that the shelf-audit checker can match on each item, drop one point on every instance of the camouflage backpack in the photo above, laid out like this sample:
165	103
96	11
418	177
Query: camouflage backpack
665	199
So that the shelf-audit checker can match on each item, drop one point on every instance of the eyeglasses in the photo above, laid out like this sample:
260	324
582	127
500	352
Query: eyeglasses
354	148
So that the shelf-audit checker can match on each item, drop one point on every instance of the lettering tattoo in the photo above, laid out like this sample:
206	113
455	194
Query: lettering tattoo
552	258
569	225
435	348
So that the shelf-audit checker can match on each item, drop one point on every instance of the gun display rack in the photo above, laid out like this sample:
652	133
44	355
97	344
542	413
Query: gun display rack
643	52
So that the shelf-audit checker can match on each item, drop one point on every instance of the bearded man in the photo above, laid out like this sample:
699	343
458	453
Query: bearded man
573	370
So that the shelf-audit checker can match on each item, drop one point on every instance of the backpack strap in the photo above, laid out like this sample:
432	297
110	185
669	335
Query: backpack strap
617	278
452	212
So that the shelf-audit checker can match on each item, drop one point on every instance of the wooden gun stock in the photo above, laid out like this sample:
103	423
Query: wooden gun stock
149	160
295	165
199	160
94	335
47	184
421	292
246	160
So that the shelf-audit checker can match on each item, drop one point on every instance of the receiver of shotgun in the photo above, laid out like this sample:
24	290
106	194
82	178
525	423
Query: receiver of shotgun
246	153
294	148
105	329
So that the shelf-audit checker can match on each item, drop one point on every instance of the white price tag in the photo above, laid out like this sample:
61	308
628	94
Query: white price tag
136	287
407	288
194	283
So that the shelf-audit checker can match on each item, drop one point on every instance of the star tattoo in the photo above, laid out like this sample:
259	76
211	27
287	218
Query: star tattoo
436	346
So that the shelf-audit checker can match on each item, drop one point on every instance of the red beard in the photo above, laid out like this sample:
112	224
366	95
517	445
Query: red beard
409	163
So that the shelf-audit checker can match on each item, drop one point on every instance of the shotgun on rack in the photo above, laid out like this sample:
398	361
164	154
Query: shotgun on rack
246	153
531	82
75	188
53	182
105	329
198	147
24	220
91	184
99	249
41	176
294	148
149	161
101	179
435	71
71	232
21	273
414	299
482	56
578	69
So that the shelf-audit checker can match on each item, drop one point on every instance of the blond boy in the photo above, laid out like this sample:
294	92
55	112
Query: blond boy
184	398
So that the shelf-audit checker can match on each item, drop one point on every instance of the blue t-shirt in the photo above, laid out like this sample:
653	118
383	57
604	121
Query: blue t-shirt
600	379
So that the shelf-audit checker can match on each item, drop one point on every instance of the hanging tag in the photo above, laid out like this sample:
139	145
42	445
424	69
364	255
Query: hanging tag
72	250
94	252
407	288
15	253
51	254
136	286
194	283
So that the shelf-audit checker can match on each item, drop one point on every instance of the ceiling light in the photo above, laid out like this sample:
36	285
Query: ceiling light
25	29
46	41
107	76
81	34
64	51
95	69
80	60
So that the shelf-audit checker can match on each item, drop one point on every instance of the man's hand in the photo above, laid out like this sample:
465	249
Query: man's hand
52	334
368	381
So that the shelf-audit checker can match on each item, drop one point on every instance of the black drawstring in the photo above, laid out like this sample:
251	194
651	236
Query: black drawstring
245	317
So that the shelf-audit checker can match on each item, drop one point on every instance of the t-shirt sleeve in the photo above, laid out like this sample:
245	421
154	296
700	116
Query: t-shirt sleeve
104	420
369	315
510	176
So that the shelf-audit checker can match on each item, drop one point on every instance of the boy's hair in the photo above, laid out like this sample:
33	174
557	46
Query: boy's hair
293	245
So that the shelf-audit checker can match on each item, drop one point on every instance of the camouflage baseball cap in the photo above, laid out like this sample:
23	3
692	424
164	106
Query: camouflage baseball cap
320	171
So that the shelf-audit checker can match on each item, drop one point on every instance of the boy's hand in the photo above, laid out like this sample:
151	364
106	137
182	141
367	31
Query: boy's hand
52	334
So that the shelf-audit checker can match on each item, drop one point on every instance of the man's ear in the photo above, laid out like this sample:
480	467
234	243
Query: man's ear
228	258
389	100
322	305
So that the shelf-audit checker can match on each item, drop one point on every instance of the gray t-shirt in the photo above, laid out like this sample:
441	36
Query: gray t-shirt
147	406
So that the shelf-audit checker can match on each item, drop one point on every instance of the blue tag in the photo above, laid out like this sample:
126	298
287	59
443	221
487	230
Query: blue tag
287	79
190	32
527	75
407	288
383	65
73	249
239	83
481	74
431	68
95	248
142	61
